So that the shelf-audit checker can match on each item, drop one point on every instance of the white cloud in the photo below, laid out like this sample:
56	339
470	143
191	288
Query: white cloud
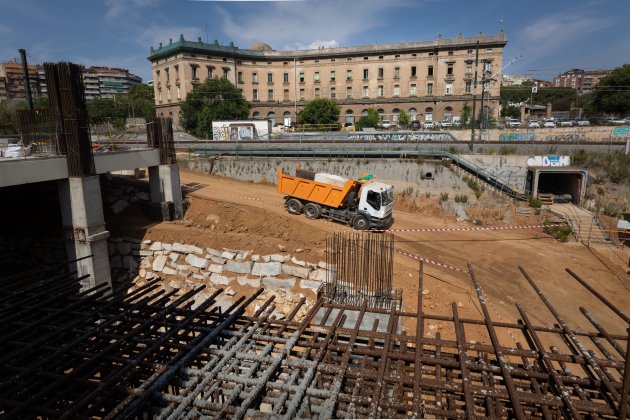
312	46
116	8
551	33
286	24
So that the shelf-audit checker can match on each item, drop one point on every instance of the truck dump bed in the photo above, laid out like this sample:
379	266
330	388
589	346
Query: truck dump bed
316	192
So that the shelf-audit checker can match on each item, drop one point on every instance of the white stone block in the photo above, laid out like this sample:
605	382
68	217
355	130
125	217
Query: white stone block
196	261
159	263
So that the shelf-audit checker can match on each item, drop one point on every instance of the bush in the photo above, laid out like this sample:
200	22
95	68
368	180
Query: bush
443	196
535	203
461	198
559	232
474	185
507	150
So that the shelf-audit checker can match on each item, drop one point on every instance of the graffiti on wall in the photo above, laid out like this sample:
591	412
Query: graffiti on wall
549	160
517	137
401	137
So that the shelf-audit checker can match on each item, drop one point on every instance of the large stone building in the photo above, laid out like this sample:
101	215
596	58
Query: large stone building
430	80
581	80
99	82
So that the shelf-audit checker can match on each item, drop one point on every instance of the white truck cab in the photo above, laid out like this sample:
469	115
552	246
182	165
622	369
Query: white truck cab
376	201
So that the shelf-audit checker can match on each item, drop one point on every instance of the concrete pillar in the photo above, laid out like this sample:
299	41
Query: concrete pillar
523	113
165	188
84	224
548	110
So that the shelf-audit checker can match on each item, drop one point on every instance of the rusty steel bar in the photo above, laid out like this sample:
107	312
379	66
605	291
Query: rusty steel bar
505	370
599	296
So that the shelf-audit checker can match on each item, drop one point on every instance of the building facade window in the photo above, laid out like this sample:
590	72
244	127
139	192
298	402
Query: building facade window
302	94
381	91
396	90
487	66
272	117
285	78
468	87
210	71
468	67
316	77
269	77
349	92
285	96
429	88
270	95
412	90
449	69
286	119
255	94
301	77
428	114
240	77
430	71
413	114
448	113
381	72
177	73
396	72
413	71
395	115
333	93
226	73
366	92
448	89
254	77
349	117
349	75
365	74
168	75
317	92
333	76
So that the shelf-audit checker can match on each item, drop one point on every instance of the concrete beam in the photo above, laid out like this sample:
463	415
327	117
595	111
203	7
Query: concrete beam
165	187
128	159
20	171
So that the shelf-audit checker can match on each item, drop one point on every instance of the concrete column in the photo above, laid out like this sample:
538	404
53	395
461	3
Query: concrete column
166	188
523	112
548	110
84	224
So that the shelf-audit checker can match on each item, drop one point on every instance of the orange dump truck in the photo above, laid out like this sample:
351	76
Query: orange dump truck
363	204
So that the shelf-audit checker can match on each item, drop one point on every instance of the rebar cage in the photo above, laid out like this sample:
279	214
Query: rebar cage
150	353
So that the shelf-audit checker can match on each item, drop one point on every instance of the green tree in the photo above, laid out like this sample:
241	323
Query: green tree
213	100
511	112
612	94
105	109
403	119
466	114
141	100
320	111
370	120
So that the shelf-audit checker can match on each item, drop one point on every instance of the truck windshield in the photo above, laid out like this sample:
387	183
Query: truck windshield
388	197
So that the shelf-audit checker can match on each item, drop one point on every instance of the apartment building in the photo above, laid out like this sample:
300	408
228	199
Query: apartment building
582	80
99	82
12	81
430	80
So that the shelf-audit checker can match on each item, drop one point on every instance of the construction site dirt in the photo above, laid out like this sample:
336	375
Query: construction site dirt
242	215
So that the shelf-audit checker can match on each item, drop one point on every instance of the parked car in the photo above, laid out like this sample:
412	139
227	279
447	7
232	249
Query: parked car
457	121
581	122
597	120
533	124
415	125
427	124
445	123
512	123
627	119
614	120
566	123
386	124
549	123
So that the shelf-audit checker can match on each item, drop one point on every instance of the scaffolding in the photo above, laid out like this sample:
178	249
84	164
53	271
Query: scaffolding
151	353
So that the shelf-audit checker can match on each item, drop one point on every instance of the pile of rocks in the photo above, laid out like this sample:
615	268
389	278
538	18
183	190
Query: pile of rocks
118	195
184	266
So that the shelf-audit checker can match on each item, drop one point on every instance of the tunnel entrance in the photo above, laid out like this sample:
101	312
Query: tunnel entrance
560	184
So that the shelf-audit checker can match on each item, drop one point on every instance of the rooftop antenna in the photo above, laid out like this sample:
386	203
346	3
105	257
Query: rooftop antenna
206	33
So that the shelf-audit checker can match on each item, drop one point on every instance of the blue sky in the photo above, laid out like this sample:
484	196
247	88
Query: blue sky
550	36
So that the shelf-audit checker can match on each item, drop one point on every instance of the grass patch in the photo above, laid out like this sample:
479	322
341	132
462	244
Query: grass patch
558	232
461	198
535	203
444	196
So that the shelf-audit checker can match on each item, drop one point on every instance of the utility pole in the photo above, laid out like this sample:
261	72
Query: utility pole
25	76
474	110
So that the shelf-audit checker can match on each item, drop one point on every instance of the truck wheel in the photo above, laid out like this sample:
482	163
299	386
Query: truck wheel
361	223
312	211
294	206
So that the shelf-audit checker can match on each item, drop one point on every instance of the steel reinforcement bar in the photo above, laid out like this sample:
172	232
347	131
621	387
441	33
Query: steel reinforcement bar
195	353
